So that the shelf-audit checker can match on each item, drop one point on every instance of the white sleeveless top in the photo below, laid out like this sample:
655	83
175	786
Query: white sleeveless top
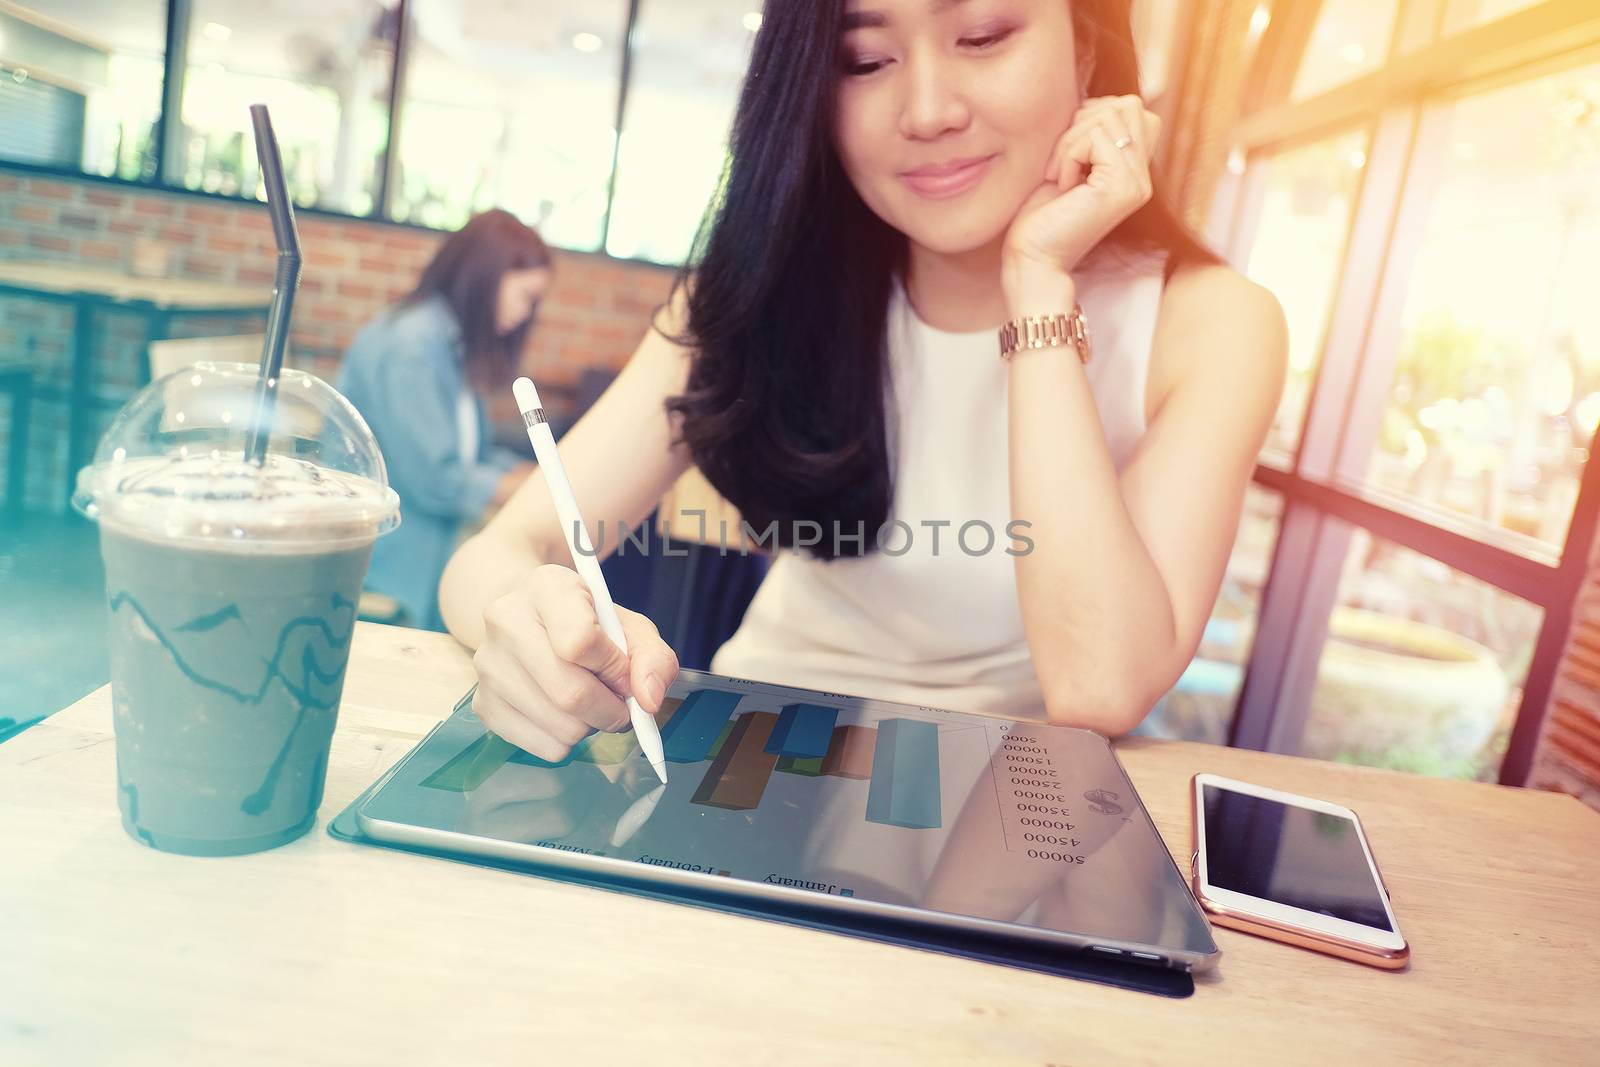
939	624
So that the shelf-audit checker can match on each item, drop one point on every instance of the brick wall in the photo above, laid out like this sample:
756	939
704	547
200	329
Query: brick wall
592	318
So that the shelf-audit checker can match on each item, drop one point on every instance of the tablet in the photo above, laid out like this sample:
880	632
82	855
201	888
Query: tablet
975	825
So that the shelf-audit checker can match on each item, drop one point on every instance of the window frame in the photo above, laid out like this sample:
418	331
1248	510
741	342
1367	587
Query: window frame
174	67
1321	508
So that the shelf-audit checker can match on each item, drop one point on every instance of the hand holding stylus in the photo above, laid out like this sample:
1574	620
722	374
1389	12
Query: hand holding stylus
548	675
558	657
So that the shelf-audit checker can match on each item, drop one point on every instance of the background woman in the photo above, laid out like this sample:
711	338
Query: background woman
906	177
419	374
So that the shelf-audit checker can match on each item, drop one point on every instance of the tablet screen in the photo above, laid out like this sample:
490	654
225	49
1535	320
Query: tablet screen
852	800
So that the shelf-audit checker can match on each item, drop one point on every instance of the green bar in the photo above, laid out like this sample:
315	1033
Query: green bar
528	759
472	766
722	739
607	748
811	768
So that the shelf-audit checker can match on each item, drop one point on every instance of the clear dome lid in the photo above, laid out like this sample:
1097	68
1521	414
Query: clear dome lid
172	463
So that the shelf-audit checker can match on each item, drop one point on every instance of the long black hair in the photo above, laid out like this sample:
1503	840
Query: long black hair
788	289
466	272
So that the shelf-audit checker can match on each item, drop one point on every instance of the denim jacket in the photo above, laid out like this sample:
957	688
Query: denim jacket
405	373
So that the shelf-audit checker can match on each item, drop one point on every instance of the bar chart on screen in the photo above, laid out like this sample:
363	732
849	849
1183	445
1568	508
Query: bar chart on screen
828	792
784	799
743	748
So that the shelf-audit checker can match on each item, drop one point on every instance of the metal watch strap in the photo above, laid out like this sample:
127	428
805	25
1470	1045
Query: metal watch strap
1046	331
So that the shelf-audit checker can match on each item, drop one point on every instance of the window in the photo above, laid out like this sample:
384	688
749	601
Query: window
324	72
1350	38
1296	247
1496	387
688	64
80	84
1422	669
470	104
511	105
1429	237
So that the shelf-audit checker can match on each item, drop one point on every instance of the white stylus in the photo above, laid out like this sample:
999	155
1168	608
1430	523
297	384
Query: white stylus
583	555
636	816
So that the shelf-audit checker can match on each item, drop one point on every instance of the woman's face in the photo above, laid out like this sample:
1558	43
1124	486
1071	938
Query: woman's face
948	111
519	291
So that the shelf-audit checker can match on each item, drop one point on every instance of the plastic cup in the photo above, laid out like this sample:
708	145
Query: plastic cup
232	590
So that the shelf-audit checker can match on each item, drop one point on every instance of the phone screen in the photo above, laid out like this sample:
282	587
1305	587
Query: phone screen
1294	856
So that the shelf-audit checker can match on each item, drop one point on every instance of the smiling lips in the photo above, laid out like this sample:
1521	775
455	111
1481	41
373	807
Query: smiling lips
940	181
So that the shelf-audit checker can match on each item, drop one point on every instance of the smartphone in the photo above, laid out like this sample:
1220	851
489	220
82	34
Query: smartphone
1292	868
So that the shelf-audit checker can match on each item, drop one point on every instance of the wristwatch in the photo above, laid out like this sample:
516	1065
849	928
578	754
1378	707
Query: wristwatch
1046	331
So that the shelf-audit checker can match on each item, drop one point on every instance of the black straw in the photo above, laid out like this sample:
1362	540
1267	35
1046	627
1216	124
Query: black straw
284	284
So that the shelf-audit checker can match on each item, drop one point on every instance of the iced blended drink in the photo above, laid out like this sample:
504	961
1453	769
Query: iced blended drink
232	591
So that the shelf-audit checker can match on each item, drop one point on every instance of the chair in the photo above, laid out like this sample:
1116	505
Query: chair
695	594
695	512
18	382
694	587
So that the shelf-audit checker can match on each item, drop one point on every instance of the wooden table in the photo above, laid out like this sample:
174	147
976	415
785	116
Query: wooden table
325	952
120	286
88	289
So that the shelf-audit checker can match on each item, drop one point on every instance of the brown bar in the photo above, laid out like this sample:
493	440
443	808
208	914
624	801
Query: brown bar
669	708
850	752
738	776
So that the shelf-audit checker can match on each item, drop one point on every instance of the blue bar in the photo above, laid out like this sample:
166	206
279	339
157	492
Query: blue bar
803	731
689	735
905	775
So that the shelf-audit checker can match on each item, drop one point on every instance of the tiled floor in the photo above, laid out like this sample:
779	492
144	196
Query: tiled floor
52	617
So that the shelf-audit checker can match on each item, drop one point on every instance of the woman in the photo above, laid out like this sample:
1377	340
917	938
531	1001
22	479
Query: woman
419	374
906	177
